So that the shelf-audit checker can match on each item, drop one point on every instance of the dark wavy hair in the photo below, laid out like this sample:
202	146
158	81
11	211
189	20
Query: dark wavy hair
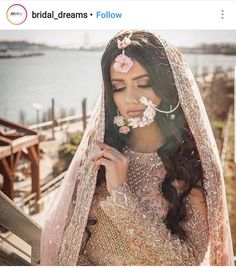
179	154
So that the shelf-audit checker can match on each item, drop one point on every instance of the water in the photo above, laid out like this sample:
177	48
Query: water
67	76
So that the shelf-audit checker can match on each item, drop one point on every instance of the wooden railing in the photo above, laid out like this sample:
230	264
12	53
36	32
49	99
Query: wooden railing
17	222
59	122
52	185
13	218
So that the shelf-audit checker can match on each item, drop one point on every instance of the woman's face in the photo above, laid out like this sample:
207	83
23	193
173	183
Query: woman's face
129	87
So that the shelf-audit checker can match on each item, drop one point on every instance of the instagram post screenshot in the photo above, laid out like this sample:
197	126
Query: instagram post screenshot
117	133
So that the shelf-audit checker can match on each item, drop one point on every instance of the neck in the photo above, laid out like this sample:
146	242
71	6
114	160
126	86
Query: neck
146	139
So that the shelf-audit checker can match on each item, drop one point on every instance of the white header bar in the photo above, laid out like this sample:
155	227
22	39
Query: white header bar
117	15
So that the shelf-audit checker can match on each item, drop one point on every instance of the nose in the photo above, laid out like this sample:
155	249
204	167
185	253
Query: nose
131	95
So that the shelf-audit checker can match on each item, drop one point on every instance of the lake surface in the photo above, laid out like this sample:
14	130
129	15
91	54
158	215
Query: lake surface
66	76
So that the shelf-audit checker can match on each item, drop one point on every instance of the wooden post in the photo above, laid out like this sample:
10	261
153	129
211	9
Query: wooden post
204	73
53	119
84	112
34	157
37	118
8	178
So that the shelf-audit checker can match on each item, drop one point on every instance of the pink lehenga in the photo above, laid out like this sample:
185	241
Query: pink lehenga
130	228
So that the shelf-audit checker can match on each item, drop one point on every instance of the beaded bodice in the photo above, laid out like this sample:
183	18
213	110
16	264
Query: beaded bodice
129	227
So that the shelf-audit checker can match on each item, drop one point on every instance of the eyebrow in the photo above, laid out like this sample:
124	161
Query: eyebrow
135	78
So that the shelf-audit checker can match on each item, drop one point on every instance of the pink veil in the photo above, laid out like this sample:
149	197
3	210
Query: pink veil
67	218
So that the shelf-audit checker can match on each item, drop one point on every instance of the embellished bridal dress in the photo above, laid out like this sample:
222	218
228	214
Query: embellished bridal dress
127	227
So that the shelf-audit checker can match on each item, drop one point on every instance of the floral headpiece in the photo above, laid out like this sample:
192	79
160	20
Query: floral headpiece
123	63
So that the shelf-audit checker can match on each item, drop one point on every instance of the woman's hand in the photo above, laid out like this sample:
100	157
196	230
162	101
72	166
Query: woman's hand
115	163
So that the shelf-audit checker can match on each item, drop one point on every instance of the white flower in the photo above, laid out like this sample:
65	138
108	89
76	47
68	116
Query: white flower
149	113
134	122
119	120
151	104
126	41
142	124
144	100
148	121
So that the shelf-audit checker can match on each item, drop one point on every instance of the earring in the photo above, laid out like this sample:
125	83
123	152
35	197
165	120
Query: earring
119	120
172	116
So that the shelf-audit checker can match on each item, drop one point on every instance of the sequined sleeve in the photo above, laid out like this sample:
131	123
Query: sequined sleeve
148	237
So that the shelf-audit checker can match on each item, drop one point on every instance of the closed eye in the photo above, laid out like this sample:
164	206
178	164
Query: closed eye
117	89
122	88
144	86
118	86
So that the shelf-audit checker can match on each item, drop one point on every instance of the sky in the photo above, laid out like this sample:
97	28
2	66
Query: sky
76	38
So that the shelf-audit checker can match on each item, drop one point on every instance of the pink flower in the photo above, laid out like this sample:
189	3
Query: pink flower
124	130
124	43
122	63
119	44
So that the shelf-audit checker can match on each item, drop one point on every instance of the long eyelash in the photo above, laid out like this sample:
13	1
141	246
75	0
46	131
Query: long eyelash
122	88
117	89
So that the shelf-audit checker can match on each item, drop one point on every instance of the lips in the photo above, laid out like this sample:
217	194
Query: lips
135	113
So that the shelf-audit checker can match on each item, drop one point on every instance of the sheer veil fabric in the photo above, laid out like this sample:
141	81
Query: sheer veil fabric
67	218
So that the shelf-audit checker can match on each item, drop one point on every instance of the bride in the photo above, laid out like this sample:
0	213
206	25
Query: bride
145	186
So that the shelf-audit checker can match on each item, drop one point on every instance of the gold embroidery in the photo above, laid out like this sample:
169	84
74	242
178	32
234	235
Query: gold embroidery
130	228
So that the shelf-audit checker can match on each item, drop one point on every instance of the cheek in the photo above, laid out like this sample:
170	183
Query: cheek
116	100
157	100
119	103
153	97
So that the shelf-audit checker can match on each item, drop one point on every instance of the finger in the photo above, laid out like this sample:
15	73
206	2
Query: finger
105	146
96	167
93	158
104	162
107	154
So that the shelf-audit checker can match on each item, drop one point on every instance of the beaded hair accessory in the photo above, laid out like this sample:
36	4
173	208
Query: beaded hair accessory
123	63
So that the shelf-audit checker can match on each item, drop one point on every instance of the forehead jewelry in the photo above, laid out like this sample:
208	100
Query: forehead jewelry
123	63
147	118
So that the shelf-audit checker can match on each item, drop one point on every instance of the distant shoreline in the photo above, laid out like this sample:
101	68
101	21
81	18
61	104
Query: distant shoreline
31	48
19	55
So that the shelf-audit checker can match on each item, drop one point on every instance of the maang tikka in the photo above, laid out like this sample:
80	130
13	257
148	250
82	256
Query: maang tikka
123	63
147	118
